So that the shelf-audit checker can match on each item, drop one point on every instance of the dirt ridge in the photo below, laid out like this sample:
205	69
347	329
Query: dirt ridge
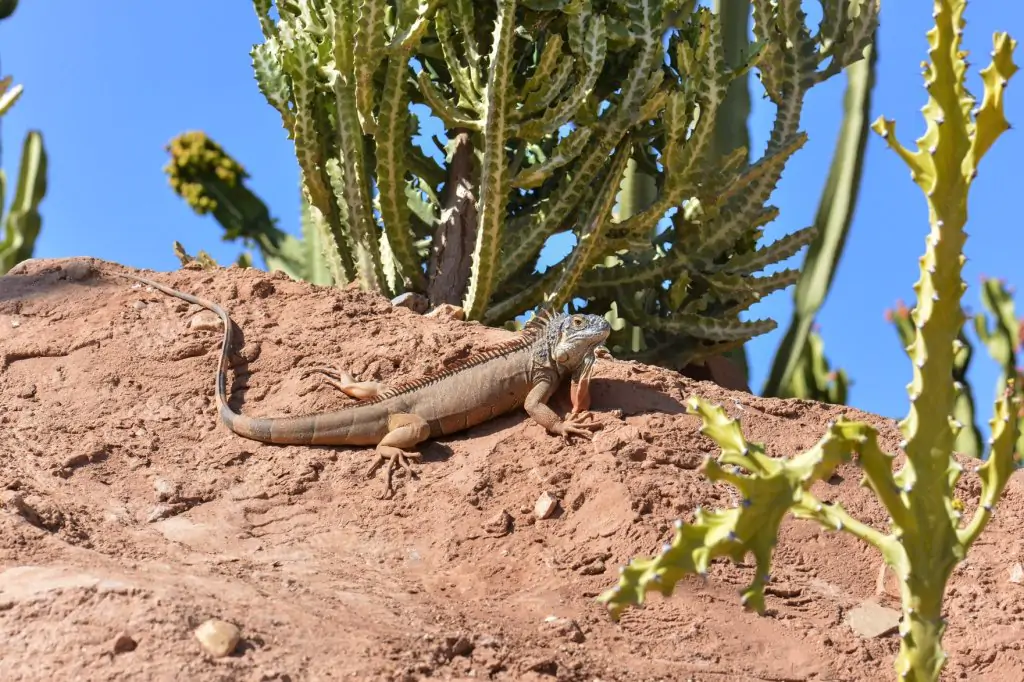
126	509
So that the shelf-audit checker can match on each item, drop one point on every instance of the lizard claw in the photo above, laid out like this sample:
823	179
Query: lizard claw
344	382
394	458
569	428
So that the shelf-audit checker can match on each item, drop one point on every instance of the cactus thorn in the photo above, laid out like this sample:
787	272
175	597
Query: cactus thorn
666	548
678	524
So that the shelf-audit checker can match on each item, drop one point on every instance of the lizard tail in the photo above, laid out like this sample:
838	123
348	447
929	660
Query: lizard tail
247	427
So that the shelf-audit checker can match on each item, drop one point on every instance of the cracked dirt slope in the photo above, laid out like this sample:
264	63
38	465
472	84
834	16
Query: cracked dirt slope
125	507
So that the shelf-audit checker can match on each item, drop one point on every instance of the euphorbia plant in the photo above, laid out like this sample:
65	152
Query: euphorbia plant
928	537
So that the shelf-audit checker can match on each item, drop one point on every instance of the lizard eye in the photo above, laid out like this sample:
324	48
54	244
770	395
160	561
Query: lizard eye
577	322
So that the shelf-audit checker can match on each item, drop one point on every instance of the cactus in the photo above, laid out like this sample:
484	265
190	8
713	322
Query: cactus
927	540
581	120
813	378
20	229
832	224
1002	342
1003	339
968	440
212	182
23	222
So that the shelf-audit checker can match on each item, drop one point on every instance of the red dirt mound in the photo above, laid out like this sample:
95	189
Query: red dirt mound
130	515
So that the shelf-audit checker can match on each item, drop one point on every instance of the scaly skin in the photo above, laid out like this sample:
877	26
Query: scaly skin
523	372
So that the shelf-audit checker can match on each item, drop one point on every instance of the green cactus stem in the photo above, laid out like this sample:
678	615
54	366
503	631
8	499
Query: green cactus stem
832	225
927	540
8	95
23	222
968	440
543	93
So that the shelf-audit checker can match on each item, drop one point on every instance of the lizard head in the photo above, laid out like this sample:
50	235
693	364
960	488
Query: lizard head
577	337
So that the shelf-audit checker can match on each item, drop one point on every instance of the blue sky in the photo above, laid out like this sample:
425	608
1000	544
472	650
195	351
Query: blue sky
110	84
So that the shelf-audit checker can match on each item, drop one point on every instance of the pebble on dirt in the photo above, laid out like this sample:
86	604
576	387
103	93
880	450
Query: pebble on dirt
870	619
545	506
218	637
1017	574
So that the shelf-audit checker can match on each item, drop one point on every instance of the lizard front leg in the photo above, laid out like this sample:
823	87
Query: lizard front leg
536	406
344	382
405	431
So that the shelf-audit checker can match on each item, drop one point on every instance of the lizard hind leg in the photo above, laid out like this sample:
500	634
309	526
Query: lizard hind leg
405	431
344	382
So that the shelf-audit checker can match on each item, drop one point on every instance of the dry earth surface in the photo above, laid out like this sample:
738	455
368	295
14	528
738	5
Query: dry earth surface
129	515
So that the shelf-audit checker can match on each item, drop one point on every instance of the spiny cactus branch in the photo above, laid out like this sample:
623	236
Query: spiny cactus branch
494	180
926	542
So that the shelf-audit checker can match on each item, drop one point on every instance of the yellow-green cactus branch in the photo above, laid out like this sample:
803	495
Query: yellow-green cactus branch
391	166
968	440
926	542
494	174
462	76
367	52
997	469
598	218
768	488
21	226
9	95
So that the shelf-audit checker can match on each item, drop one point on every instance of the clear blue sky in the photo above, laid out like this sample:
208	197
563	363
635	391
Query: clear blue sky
110	84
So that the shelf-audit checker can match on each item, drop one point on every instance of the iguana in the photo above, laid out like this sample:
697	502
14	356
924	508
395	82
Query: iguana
522	372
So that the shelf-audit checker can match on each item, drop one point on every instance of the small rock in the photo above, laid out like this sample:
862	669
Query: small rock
262	289
205	321
165	490
499	525
614	440
77	270
447	311
15	503
870	619
218	637
459	646
564	627
1017	574
160	511
15	322
417	303
545	506
123	643
138	305
27	391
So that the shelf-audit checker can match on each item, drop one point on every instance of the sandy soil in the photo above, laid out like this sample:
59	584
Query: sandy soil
129	515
